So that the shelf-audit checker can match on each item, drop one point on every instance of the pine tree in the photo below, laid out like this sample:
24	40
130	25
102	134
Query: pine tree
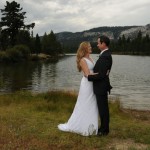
44	43
13	21
37	44
50	45
23	37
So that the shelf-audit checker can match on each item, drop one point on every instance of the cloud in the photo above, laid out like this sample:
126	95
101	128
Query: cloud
79	15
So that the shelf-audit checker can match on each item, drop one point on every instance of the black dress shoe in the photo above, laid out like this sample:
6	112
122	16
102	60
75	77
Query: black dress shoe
99	130
102	133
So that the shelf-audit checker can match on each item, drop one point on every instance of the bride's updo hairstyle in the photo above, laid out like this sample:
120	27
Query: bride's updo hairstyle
81	52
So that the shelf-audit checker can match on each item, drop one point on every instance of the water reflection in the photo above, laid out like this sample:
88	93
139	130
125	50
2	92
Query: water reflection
16	76
44	76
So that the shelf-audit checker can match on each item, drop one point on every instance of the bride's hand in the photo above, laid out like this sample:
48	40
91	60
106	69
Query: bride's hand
108	71
86	75
94	73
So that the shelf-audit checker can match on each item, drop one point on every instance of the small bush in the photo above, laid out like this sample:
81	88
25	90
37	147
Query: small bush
4	57
14	54
24	50
34	57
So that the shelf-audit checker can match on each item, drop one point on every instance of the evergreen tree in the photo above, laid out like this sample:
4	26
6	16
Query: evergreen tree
119	44
23	37
54	44
139	36
32	45
12	21
146	44
50	45
123	46
3	41
139	42
44	43
128	40
128	44
37	44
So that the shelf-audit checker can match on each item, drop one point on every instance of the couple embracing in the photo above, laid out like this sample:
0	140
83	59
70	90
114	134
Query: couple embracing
92	101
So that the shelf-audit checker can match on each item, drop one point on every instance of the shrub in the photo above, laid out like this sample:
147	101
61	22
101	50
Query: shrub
14	54
4	57
25	51
34	57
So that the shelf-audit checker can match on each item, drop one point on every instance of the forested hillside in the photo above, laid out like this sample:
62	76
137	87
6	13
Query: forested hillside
124	39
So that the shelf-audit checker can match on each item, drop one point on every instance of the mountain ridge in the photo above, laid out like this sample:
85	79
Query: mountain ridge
113	32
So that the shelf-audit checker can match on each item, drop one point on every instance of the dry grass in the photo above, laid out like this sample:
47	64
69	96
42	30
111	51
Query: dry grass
29	122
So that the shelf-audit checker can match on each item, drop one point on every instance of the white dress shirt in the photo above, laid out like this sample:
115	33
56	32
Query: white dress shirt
103	51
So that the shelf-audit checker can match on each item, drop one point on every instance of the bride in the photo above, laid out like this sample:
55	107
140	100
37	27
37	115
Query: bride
84	119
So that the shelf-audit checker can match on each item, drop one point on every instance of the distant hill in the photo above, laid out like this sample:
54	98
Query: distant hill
70	39
92	34
132	32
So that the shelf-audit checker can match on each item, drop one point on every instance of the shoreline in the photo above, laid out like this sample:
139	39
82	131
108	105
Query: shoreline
111	99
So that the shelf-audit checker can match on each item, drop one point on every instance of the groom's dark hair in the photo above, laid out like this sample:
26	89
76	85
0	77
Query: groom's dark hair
104	39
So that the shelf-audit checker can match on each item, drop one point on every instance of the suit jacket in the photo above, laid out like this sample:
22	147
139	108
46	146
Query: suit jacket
101	83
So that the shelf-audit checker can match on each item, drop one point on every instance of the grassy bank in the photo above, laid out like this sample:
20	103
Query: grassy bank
29	122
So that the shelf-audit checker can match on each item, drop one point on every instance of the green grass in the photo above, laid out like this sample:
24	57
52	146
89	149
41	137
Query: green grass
29	122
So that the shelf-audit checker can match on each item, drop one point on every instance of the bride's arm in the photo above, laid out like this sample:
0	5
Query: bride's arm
84	67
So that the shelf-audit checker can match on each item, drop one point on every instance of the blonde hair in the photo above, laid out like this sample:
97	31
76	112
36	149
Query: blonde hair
81	52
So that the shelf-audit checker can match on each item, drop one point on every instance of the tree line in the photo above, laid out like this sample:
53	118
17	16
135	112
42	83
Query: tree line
140	45
137	46
16	37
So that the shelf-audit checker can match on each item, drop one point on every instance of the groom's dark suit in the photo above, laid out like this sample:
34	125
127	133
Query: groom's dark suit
101	87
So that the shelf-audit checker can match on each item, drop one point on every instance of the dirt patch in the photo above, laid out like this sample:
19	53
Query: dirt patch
142	115
126	145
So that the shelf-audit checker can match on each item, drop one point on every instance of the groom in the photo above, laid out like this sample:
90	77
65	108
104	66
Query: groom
101	83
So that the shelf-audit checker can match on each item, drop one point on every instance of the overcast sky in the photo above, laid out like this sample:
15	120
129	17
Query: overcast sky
80	15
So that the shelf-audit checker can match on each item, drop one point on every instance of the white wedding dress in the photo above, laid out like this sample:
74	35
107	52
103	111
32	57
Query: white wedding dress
84	119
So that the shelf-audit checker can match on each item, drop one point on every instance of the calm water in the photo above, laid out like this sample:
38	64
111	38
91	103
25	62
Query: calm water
130	78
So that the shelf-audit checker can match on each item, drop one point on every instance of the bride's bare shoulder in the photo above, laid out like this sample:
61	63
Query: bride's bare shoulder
83	60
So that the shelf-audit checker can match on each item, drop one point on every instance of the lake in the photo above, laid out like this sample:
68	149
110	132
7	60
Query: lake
130	78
